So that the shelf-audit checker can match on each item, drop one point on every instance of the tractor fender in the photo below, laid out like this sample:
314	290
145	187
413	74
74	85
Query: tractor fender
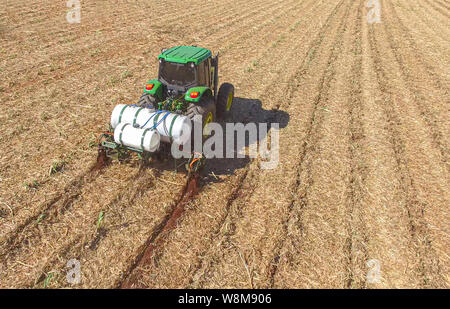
156	90
201	92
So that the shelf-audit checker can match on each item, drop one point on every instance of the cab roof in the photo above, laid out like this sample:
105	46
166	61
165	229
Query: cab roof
185	54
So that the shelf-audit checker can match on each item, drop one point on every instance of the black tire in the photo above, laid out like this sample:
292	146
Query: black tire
202	108
147	100
222	100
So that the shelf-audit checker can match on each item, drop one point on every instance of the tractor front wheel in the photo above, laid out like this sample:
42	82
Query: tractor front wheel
225	100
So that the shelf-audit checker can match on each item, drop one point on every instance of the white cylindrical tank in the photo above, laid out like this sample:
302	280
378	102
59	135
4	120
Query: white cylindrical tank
171	125
144	139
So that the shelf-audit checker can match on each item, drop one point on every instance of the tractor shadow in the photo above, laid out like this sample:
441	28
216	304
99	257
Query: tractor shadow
243	111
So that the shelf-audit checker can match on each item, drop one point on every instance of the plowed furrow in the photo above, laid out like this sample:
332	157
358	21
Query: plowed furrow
437	8
362	171
421	59
279	14
227	224
151	242
357	235
106	117
387	223
434	32
85	248
202	199
238	248
427	37
61	201
237	184
147	257
428	265
297	225
59	225
416	81
142	212
99	15
433	21
108	41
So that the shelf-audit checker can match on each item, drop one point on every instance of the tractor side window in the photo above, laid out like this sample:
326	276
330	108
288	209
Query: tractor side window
208	72
201	74
212	74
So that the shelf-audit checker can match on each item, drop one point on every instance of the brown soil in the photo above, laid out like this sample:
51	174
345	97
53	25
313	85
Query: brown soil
364	153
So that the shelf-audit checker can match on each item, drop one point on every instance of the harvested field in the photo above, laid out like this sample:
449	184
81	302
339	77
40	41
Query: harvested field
364	144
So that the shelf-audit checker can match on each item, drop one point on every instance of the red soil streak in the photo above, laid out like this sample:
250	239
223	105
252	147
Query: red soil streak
189	191
102	160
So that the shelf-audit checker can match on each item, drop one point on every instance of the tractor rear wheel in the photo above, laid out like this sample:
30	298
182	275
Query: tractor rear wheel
147	100
225	100
206	109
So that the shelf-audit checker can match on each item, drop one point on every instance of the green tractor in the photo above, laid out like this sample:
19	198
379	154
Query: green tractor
186	87
188	83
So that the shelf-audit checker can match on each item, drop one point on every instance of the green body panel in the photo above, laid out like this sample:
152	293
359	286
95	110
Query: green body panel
111	145
201	91
185	54
157	90
114	146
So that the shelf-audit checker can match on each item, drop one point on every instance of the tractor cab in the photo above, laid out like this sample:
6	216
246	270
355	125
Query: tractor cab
184	67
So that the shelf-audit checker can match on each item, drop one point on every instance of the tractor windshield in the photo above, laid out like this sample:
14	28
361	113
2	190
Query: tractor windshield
177	73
